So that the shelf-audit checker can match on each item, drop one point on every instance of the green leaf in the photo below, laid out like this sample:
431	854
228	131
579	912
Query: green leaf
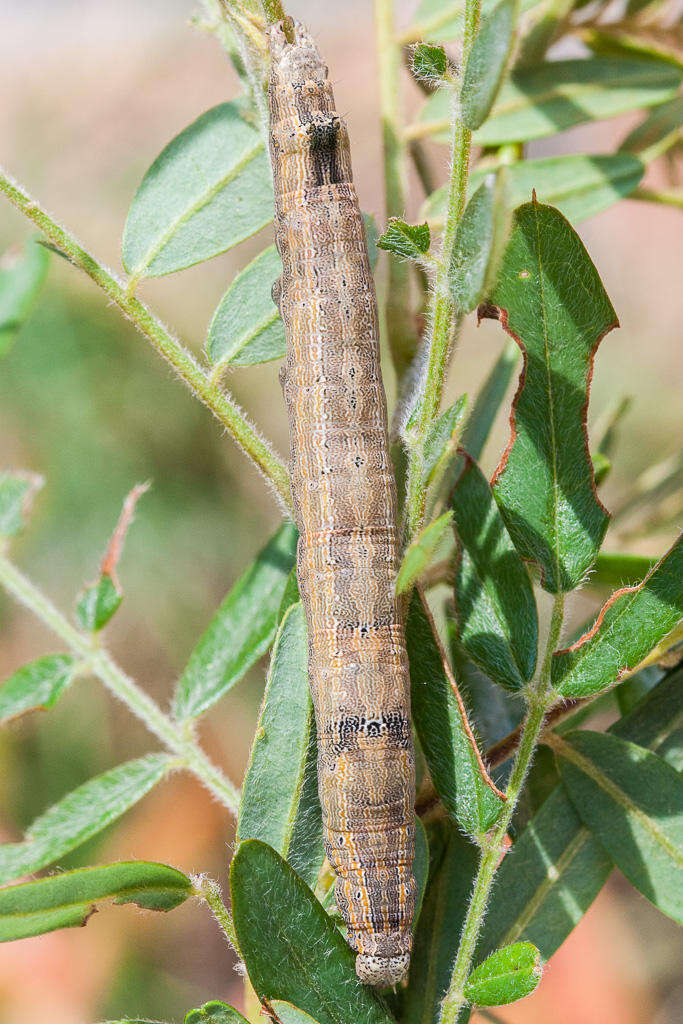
446	738
305	960
81	814
632	802
578	185
634	620
488	402
619	569
241	631
442	439
487	63
452	867
429	64
656	721
98	603
22	273
420	867
442	20
246	327
548	98
280	802
69	899
479	241
38	685
657	132
601	467
420	552
214	1012
288	1014
496	611
17	490
504	977
550	299
205	192
410	241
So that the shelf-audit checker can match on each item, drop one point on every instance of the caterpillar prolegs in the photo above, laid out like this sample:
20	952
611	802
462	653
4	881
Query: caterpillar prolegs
345	506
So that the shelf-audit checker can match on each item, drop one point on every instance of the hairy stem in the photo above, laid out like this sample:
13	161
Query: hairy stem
442	318
102	665
492	850
182	361
210	891
399	321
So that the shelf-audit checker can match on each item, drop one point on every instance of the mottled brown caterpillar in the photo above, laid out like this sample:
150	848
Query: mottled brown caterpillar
345	507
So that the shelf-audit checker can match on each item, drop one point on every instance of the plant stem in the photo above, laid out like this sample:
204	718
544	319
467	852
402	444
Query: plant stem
182	361
209	890
442	318
539	699
400	329
102	665
651	195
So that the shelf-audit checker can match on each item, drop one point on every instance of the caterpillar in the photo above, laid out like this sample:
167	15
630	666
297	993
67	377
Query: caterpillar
345	508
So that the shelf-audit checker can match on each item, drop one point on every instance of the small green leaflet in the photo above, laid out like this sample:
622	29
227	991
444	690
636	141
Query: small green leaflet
246	327
420	552
504	977
543	100
495	607
429	64
628	627
578	185
305	960
632	802
288	1014
420	867
214	1012
17	491
81	814
38	685
445	735
409	241
550	299
241	631
479	242
280	802
69	899
22	273
441	440
206	191
487	63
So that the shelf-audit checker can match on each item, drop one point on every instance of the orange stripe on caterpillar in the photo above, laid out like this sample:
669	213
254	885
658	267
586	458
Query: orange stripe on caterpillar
345	501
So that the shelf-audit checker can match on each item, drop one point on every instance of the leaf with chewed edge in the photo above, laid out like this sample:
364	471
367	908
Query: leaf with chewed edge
550	299
629	626
69	899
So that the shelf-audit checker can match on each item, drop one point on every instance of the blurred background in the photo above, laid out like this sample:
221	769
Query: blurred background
91	92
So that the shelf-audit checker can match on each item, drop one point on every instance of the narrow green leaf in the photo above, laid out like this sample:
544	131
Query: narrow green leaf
548	98
420	553
487	63
241	631
17	491
442	440
488	402
214	1012
420	867
81	814
442	20
446	738
38	685
22	273
246	327
288	1014
98	603
632	802
452	867
429	64
656	721
634	620
69	899
504	977
479	241
305	960
498	622
280	802
578	185
619	569
550	299
410	241
657	132
205	192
